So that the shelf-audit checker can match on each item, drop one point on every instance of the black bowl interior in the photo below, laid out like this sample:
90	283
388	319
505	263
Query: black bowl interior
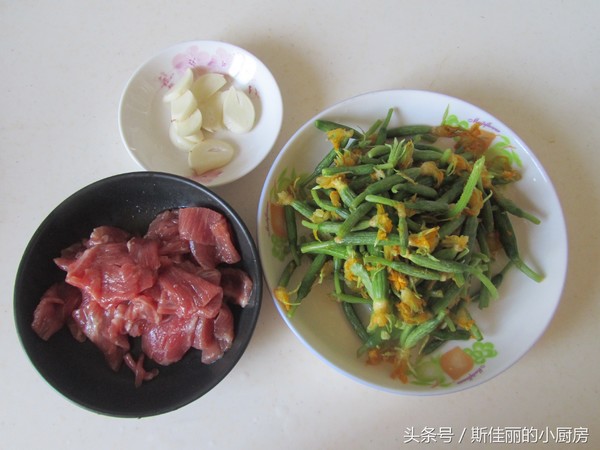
78	370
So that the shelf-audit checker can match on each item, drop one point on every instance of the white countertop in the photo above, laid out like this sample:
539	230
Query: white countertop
532	64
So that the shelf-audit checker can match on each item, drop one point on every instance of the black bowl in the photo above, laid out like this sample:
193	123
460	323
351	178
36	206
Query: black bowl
78	370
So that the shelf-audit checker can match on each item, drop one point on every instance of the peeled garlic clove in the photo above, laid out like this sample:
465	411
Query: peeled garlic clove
238	111
185	143
210	154
182	85
183	106
212	112
206	85
189	125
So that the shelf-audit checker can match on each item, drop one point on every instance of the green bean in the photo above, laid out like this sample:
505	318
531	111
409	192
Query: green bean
303	208
327	205
474	177
333	227
385	184
363	169
408	130
354	217
379	150
439	337
433	206
406	269
451	296
509	243
483	298
415	188
429	147
328	125
426	155
487	216
307	281
287	273
427	137
423	330
451	226
355	322
382	132
510	207
453	267
470	230
292	234
472	327
454	191
325	162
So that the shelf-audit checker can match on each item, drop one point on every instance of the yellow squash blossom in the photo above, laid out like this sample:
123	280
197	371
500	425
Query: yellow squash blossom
463	319
347	157
397	280
336	182
283	297
430	168
337	136
382	222
285	198
475	203
380	315
426	241
320	216
334	196
458	165
348	274
458	243
412	307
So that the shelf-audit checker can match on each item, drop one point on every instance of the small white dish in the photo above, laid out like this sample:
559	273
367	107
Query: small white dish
144	118
510	325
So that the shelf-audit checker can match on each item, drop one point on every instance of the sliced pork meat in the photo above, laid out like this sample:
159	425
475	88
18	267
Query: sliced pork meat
107	235
165	229
55	309
224	332
95	322
137	367
184	293
207	228
145	252
109	274
167	341
214	336
237	286
205	340
69	255
167	288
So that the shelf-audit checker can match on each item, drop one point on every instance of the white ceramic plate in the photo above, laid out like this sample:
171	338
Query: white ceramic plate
511	325
144	118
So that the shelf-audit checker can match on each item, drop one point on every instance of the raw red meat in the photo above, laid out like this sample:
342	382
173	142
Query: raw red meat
237	286
167	341
165	229
183	293
95	322
55	309
106	235
206	228
166	288
109	274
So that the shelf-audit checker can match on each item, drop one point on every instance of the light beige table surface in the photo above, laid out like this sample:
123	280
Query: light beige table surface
533	64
